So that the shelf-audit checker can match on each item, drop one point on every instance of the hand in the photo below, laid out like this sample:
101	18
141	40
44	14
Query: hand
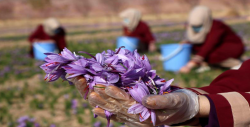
80	83
116	101
170	108
176	107
152	47
185	70
188	67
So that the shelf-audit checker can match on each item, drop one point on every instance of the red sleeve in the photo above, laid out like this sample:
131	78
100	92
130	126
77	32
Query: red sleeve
124	30
61	43
148	34
212	39
60	40
231	109
35	34
231	80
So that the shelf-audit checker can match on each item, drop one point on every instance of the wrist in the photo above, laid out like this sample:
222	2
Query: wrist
204	106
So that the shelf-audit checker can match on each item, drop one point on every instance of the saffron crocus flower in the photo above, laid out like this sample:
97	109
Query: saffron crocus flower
67	54
52	125
138	92
74	106
122	68
108	116
77	68
97	124
95	116
166	87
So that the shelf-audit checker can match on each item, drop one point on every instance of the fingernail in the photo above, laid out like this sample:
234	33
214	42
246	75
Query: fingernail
96	99
117	93
149	101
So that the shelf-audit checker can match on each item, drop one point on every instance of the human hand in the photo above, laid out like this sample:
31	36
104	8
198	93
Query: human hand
116	101
172	108
185	70
80	83
152	47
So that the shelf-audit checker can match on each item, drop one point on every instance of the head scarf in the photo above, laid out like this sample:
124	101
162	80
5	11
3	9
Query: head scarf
50	25
131	17
199	16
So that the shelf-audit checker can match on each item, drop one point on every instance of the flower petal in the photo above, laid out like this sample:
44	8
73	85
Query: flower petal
153	117
144	115
136	108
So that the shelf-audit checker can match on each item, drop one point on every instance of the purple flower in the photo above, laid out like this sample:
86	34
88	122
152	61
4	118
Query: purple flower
22	125
66	96
77	68
95	116
23	119
166	87
74	105
111	125
122	68
68	55
108	116
84	105
36	125
97	124
138	92
52	125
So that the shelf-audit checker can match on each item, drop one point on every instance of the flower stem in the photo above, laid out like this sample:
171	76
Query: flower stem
99	87
124	66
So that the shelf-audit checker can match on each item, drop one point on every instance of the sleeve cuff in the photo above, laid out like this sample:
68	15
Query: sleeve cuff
228	110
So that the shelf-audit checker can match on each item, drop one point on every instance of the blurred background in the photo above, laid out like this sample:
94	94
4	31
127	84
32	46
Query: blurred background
92	26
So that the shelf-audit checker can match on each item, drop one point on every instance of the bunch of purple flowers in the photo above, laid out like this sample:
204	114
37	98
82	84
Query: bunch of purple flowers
122	68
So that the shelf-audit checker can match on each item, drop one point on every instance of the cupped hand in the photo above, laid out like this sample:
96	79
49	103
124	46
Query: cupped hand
172	108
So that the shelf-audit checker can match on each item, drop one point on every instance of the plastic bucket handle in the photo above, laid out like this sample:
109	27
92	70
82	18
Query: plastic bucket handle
130	43
175	52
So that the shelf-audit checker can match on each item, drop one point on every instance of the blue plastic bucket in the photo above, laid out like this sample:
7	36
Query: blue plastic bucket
175	56
39	48
130	43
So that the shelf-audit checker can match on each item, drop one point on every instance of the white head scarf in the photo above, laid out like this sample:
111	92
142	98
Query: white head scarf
50	25
133	16
200	15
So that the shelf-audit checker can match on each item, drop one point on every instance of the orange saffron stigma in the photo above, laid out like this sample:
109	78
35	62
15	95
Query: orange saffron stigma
163	81
140	115
52	77
86	88
165	92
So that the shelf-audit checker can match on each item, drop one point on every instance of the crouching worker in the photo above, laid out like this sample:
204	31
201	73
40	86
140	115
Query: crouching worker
213	41
49	31
133	26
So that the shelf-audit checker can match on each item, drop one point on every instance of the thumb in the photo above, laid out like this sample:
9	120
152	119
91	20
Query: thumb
167	101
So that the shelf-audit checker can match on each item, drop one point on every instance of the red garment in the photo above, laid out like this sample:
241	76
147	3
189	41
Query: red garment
142	31
220	44
40	34
229	96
